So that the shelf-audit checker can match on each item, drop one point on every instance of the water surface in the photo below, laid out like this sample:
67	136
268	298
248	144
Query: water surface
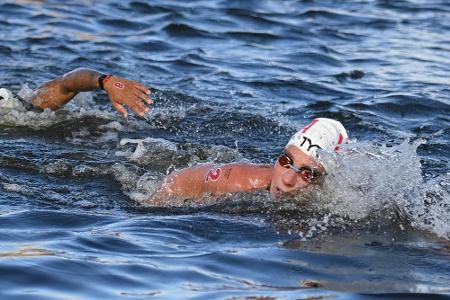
232	80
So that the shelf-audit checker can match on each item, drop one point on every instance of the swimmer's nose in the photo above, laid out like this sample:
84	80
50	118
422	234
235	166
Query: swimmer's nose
289	178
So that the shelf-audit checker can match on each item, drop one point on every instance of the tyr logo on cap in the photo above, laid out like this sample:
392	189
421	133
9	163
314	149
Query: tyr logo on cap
311	145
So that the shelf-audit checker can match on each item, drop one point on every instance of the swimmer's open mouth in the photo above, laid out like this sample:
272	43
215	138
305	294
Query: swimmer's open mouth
278	192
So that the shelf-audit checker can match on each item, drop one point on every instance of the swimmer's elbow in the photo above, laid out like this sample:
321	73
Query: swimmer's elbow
42	103
51	95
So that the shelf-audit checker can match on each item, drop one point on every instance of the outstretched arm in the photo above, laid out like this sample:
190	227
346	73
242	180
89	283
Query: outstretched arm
122	92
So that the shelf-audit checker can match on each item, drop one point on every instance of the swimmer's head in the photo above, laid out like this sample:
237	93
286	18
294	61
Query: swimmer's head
297	166
322	134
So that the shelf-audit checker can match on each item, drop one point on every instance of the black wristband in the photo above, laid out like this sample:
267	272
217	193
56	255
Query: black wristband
100	80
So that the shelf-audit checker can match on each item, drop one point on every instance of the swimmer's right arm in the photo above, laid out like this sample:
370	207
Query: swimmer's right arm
123	93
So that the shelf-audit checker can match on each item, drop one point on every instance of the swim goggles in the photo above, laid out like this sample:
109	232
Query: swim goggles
306	173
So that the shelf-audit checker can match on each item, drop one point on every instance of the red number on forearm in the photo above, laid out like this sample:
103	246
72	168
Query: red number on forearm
213	174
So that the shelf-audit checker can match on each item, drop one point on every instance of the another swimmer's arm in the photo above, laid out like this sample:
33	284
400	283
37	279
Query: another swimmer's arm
122	92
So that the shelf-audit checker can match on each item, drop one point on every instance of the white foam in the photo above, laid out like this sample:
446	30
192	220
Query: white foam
12	187
112	126
8	101
368	179
141	149
137	188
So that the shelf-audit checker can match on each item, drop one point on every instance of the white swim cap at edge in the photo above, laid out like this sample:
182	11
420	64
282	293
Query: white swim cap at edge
321	133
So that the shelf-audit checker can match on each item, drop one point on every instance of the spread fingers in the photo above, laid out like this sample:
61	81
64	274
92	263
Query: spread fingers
143	97
120	108
138	107
143	88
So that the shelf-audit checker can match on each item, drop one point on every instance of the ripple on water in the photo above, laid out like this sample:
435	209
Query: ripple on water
187	31
121	25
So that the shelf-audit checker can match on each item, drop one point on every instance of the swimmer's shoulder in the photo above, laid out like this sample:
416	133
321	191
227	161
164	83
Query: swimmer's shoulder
237	177
244	169
249	169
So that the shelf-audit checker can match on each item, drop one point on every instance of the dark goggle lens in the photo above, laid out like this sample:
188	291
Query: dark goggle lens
306	173
284	161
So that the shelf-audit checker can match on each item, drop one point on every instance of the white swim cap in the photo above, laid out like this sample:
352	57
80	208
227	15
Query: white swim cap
321	133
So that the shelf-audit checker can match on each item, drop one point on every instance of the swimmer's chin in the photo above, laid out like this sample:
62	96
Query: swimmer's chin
277	194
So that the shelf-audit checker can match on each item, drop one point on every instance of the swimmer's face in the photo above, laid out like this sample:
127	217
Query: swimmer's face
290	180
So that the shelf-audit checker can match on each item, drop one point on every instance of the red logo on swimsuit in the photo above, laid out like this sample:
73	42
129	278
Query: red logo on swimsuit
213	175
119	85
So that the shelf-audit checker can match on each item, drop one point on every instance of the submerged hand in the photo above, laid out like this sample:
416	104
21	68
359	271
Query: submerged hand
123	92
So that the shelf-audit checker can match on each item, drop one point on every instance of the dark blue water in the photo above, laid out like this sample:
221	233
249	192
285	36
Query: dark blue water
232	80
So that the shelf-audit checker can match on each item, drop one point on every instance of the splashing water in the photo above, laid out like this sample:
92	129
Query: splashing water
369	178
371	183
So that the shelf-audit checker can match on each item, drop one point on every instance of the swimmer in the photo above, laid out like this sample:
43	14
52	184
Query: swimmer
295	169
122	93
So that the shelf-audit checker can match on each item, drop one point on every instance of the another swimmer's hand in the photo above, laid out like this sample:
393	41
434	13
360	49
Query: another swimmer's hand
123	92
